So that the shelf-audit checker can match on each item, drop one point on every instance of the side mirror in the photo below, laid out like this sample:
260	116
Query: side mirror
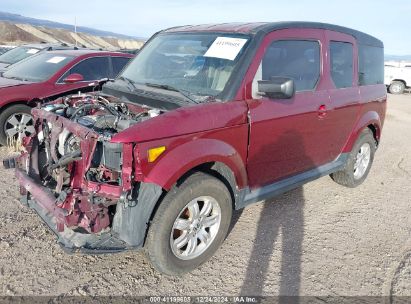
73	78
277	87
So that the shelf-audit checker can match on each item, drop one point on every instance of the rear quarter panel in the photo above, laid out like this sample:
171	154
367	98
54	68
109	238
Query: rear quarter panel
373	108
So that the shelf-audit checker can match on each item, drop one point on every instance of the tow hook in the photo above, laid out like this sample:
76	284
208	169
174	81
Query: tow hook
9	163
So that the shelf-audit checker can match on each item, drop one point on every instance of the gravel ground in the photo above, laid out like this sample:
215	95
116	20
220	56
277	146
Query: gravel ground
321	239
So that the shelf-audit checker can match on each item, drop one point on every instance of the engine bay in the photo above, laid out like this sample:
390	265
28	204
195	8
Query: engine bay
105	114
63	158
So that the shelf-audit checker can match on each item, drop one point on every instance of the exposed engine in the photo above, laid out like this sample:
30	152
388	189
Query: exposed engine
106	116
96	112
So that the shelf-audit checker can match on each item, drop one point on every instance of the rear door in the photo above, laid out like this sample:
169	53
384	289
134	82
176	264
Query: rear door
287	136
341	72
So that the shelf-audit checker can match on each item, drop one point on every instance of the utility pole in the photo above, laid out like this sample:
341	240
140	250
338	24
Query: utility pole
75	29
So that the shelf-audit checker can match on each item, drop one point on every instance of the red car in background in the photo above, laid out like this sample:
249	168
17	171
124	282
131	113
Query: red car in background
49	75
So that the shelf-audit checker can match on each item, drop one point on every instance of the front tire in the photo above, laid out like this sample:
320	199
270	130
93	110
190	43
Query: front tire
15	122
396	87
190	224
359	161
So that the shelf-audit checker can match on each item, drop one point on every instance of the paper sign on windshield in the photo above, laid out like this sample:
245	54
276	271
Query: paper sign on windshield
225	48
56	59
32	51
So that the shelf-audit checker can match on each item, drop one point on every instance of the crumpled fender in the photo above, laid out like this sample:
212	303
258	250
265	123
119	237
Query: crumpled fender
192	154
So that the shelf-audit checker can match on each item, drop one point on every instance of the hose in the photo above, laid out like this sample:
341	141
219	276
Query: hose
66	159
93	106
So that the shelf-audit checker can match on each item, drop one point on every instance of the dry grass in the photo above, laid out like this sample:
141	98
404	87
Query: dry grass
14	145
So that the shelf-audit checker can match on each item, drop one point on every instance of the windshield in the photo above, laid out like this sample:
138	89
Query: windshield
17	54
198	64
38	68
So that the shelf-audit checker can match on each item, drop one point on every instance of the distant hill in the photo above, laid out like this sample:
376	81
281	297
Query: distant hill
15	18
16	30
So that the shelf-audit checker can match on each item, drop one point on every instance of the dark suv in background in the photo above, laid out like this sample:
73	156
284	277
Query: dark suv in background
206	119
24	51
48	75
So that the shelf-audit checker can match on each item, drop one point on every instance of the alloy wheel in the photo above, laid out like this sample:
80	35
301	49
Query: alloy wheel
362	160
19	125
195	228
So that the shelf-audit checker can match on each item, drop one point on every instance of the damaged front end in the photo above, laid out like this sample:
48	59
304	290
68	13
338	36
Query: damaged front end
79	182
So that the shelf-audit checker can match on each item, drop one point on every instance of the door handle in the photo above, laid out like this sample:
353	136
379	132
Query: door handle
322	111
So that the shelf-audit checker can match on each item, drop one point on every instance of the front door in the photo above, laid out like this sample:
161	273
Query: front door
286	135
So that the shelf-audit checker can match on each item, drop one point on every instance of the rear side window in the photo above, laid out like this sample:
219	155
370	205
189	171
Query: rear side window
118	64
296	59
92	68
371	65
341	57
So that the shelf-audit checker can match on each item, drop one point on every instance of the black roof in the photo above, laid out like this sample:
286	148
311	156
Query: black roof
266	27
361	37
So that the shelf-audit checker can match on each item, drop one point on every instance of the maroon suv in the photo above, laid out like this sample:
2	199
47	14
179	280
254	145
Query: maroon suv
48	75
205	120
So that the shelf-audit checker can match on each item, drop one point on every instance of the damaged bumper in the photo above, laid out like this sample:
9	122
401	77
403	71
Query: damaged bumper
86	216
44	203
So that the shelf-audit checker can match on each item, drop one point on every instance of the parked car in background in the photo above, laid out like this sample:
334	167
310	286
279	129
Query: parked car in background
397	79
5	48
48	75
206	119
22	52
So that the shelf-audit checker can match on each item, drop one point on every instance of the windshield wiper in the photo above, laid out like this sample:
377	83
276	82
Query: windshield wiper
171	88
15	78
129	82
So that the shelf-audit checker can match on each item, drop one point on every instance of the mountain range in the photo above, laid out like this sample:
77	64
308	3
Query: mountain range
17	29
15	18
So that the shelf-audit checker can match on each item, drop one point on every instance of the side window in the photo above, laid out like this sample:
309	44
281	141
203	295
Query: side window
118	64
296	59
92	68
371	65
341	57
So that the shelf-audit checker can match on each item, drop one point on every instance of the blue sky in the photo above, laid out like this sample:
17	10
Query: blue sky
388	20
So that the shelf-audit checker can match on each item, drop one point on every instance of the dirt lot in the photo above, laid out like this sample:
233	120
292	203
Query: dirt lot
321	239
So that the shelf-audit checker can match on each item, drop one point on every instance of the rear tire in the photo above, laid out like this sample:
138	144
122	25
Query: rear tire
396	87
22	124
359	161
200	234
